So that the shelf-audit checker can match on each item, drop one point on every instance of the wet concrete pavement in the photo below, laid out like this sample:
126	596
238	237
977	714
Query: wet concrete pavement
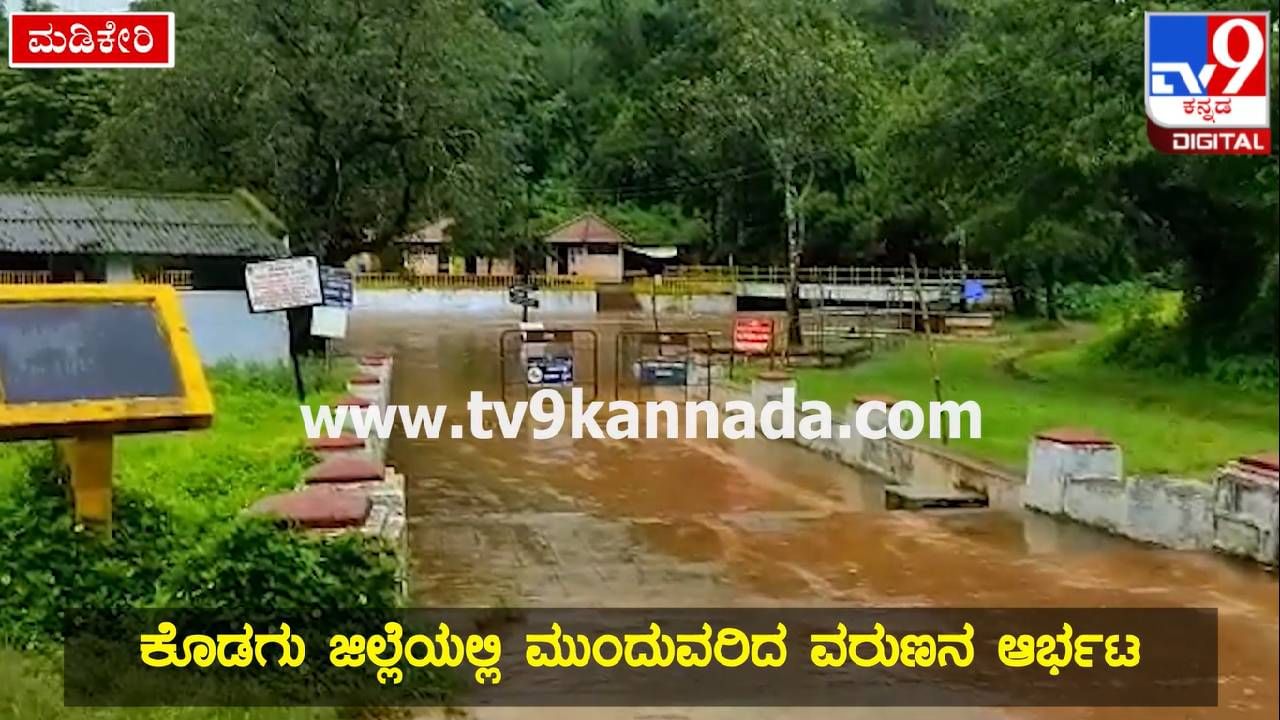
756	523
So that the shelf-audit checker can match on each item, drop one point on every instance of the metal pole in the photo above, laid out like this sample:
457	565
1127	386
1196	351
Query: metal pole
928	336
653	305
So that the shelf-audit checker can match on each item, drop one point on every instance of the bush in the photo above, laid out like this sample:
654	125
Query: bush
51	564
179	538
1150	340
251	566
1080	301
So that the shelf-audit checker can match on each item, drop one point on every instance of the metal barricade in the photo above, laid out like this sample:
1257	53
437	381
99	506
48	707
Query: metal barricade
530	360
657	359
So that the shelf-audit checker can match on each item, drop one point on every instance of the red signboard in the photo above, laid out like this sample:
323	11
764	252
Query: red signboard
91	40
752	335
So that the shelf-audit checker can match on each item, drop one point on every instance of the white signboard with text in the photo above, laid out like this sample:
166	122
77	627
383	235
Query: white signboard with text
283	284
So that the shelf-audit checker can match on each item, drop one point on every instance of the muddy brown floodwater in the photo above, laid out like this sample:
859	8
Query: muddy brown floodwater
677	523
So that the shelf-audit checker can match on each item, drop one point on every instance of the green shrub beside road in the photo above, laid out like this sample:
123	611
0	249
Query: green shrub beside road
179	539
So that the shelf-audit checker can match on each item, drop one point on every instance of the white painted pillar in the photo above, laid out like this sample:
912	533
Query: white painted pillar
1059	455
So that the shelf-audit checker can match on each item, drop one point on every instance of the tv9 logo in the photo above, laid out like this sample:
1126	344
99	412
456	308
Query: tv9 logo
1208	82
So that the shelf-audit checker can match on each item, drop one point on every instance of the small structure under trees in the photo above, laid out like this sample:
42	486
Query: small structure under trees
426	252
586	246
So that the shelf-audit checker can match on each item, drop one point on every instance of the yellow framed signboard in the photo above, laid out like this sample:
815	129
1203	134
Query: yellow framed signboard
97	358
87	362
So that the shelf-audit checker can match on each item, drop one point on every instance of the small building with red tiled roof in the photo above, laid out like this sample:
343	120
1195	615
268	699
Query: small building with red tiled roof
586	246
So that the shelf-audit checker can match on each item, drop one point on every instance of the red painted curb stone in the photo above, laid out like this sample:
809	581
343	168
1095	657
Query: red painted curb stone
350	400
342	442
1074	436
341	469
1268	463
316	508
874	397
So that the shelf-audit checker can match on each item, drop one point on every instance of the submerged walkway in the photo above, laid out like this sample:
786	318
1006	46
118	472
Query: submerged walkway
759	523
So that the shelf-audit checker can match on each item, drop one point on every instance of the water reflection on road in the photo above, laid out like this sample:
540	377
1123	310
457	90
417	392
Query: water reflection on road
712	523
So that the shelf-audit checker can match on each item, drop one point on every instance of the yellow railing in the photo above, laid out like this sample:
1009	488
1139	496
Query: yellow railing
850	275
564	282
681	286
25	277
386	281
180	279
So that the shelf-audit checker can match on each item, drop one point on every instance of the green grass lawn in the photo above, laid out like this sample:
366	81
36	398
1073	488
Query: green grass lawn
255	447
1039	380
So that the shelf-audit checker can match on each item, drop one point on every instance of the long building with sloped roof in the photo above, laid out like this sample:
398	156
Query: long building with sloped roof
189	240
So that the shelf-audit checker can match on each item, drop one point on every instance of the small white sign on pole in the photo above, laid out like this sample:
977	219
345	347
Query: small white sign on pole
329	322
276	285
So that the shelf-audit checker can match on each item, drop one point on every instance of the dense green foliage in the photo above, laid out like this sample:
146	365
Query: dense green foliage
1009	132
179	537
47	119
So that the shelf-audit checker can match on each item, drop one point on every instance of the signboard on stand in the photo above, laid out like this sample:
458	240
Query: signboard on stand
533	358
752	336
337	287
275	285
88	362
337	290
285	284
664	373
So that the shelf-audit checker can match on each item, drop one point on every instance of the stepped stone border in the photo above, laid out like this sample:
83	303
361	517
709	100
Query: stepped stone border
350	489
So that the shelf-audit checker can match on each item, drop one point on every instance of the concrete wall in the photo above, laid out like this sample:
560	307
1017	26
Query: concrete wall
1051	464
1172	512
1246	510
225	330
898	461
1080	476
693	304
491	303
1235	513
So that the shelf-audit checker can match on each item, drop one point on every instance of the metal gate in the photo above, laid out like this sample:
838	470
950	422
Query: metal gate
654	359
530	360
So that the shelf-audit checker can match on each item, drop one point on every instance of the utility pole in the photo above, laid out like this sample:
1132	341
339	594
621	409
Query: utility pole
928	335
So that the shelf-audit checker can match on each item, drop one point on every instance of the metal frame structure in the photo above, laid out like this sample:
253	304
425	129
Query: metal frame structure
682	339
569	336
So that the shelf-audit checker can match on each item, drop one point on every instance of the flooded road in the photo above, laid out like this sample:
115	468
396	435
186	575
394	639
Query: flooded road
677	523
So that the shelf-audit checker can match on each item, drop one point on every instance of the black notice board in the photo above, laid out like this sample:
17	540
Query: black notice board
64	351
337	285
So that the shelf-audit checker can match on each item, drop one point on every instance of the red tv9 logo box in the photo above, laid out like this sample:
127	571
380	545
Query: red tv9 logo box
91	40
1208	85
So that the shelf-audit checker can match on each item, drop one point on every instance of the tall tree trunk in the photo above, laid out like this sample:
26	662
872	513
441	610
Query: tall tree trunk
1051	289
795	335
717	237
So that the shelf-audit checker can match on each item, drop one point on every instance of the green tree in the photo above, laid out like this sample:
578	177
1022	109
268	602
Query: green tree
793	79
47	118
354	119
